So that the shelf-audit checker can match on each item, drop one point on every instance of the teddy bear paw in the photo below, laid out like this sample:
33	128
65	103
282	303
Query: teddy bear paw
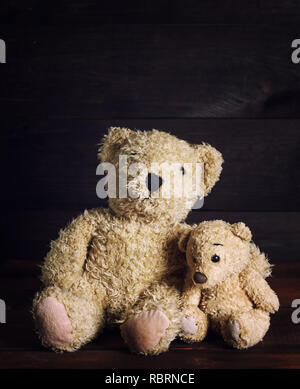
189	326
273	305
233	330
144	331
54	323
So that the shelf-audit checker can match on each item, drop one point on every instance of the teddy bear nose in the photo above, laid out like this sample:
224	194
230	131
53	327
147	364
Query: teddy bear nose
153	182
200	278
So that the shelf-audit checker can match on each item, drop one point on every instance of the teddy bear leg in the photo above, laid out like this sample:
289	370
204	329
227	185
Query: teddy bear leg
154	321
194	325
245	329
65	321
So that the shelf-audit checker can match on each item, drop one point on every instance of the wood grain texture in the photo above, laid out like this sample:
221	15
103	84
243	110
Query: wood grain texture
127	70
27	235
205	70
20	280
20	348
149	11
51	177
52	163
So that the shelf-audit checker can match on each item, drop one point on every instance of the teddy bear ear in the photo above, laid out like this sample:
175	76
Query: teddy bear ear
212	160
112	142
183	240
242	231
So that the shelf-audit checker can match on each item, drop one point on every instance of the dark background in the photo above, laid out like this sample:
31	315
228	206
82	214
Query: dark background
219	72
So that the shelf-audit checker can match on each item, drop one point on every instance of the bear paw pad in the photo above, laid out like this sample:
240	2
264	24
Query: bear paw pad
189	326
144	331
54	323
233	330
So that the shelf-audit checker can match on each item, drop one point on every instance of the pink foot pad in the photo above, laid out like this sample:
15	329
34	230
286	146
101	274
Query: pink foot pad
145	330
189	326
54	323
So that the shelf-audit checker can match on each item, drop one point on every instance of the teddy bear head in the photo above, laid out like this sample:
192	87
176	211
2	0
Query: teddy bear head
215	250
158	176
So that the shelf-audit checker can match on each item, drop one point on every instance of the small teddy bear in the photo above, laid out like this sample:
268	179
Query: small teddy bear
225	286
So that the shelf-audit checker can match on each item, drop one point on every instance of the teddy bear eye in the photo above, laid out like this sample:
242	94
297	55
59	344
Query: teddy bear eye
215	258
182	170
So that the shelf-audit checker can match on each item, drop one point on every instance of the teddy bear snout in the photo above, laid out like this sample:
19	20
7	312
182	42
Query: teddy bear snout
153	182
200	278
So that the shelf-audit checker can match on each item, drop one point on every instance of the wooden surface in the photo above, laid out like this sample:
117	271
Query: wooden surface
207	71
20	348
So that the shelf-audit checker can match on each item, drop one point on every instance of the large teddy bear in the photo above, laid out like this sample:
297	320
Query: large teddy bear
122	265
225	285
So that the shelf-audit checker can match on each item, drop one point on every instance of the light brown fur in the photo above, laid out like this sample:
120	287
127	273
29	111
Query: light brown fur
235	300
111	266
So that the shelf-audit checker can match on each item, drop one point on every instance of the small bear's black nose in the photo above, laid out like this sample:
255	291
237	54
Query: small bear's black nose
200	278
153	182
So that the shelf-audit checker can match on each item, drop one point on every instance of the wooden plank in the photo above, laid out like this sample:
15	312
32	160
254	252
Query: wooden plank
120	71
15	12
52	163
192	359
145	11
19	291
110	339
27	234
20	348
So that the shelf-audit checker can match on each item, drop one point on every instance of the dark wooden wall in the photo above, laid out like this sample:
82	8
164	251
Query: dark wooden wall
52	163
213	71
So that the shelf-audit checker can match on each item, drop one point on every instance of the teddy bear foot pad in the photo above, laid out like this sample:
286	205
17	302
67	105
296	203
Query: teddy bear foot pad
142	332
233	330
54	323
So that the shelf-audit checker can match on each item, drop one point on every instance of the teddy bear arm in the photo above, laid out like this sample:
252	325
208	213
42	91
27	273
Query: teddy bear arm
191	296
259	291
194	323
64	262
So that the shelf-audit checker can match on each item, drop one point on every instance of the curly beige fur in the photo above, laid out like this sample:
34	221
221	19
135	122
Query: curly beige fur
122	265
225	284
